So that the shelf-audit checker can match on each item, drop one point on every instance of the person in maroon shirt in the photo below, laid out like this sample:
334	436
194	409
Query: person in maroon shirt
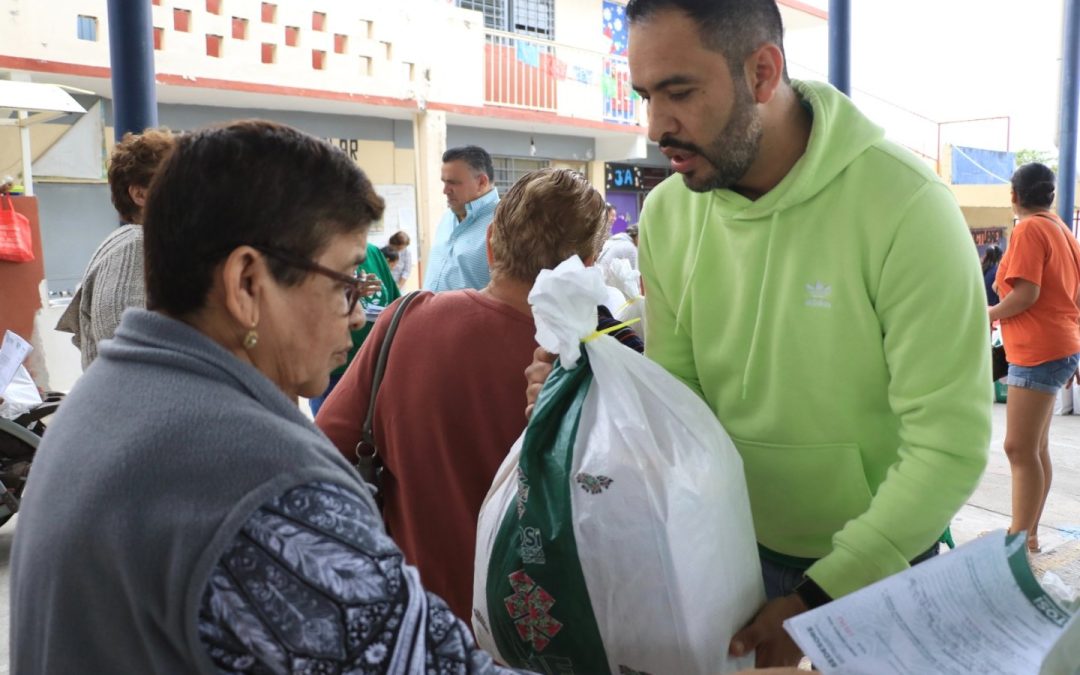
450	404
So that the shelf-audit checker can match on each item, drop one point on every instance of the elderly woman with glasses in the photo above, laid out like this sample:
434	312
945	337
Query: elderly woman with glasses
183	515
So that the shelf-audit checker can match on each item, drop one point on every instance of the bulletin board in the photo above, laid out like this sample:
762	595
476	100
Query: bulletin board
400	214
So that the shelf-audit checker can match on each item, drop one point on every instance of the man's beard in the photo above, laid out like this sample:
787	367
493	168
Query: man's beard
733	151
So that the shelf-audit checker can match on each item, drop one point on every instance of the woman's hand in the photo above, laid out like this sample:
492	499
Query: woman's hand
536	374
371	285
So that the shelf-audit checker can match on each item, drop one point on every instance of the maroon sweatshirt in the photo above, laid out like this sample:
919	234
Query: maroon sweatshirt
451	404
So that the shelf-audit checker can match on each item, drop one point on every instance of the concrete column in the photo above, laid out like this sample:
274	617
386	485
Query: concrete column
598	176
27	157
429	143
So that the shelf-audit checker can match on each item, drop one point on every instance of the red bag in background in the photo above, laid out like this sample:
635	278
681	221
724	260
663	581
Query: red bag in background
16	244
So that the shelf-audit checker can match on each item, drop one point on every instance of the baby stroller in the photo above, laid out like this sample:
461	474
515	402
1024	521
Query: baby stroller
19	439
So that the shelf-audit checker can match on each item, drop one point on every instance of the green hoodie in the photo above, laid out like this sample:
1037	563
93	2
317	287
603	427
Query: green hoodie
374	263
837	326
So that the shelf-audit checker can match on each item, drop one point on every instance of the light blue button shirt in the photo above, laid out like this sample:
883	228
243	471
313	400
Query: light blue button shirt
458	258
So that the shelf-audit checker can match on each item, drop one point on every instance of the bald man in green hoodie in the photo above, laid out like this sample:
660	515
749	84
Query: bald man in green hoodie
816	284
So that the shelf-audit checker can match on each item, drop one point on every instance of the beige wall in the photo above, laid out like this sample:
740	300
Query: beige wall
598	176
42	137
992	196
579	23
985	216
388	50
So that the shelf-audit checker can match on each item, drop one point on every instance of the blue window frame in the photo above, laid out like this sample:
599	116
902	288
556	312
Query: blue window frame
87	28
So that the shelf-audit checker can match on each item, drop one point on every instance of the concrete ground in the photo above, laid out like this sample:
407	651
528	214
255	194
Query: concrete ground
988	508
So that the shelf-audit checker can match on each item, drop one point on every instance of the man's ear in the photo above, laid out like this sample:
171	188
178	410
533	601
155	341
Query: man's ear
490	255
765	71
243	278
138	194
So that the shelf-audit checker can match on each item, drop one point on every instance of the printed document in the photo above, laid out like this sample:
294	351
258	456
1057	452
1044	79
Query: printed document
977	609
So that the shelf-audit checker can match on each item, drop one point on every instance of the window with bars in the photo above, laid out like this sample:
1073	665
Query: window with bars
86	28
535	18
494	12
508	170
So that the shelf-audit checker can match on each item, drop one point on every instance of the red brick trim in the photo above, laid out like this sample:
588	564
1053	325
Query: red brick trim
513	114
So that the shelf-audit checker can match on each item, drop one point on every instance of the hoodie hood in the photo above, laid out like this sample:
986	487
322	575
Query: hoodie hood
840	133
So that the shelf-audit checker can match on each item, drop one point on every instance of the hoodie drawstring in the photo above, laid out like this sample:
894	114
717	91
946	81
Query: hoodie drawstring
751	357
693	265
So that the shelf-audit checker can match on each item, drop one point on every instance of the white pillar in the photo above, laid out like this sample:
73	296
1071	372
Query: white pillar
429	144
27	158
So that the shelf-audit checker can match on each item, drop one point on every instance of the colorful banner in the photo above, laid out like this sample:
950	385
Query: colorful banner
528	53
620	101
615	27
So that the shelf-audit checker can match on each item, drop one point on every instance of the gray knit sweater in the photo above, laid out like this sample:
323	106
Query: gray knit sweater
161	452
112	283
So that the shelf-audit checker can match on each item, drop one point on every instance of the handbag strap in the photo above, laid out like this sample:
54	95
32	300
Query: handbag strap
1056	219
367	435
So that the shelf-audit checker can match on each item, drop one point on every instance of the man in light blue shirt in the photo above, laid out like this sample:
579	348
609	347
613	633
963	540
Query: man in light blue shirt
458	258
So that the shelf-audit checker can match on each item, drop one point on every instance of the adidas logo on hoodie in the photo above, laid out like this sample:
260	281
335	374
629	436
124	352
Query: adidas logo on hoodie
818	295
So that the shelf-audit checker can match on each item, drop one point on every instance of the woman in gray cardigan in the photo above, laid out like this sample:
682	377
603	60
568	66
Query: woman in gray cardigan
183	516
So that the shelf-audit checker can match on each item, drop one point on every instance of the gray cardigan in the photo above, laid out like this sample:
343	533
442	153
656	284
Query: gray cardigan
163	449
112	283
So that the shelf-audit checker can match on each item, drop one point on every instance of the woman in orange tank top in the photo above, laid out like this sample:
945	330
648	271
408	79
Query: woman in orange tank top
1038	281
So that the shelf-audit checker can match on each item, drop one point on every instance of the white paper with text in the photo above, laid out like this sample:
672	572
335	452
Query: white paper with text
977	609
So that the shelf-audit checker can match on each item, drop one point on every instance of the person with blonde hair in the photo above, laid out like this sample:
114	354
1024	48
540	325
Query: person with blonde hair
114	278
458	359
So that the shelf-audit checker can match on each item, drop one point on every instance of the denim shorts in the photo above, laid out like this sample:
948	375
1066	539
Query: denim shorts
1046	377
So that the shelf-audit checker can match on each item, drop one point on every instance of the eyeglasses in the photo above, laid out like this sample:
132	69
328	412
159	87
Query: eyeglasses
353	283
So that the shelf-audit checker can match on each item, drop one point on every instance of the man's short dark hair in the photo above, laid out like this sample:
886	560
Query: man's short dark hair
247	182
735	28
474	156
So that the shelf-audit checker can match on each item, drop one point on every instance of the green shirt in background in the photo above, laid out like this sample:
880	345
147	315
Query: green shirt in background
375	263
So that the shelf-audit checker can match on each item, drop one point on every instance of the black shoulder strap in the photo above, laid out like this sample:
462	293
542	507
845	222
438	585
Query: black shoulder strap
1060	222
366	435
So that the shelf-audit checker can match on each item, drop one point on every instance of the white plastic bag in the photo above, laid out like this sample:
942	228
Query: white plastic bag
618	273
21	396
627	545
1063	402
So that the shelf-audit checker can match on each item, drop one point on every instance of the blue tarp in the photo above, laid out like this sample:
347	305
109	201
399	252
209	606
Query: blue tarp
975	166
528	53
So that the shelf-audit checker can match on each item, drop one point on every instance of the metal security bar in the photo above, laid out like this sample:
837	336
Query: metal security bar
536	74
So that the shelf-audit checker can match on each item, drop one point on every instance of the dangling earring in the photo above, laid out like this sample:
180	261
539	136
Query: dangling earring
251	339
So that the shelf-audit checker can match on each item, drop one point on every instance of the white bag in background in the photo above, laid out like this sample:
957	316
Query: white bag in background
619	274
20	397
657	508
1063	402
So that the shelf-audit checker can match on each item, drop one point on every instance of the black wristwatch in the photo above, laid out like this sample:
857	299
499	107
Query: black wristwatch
812	594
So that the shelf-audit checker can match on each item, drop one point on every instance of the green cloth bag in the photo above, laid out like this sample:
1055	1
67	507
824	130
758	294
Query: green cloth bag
540	615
